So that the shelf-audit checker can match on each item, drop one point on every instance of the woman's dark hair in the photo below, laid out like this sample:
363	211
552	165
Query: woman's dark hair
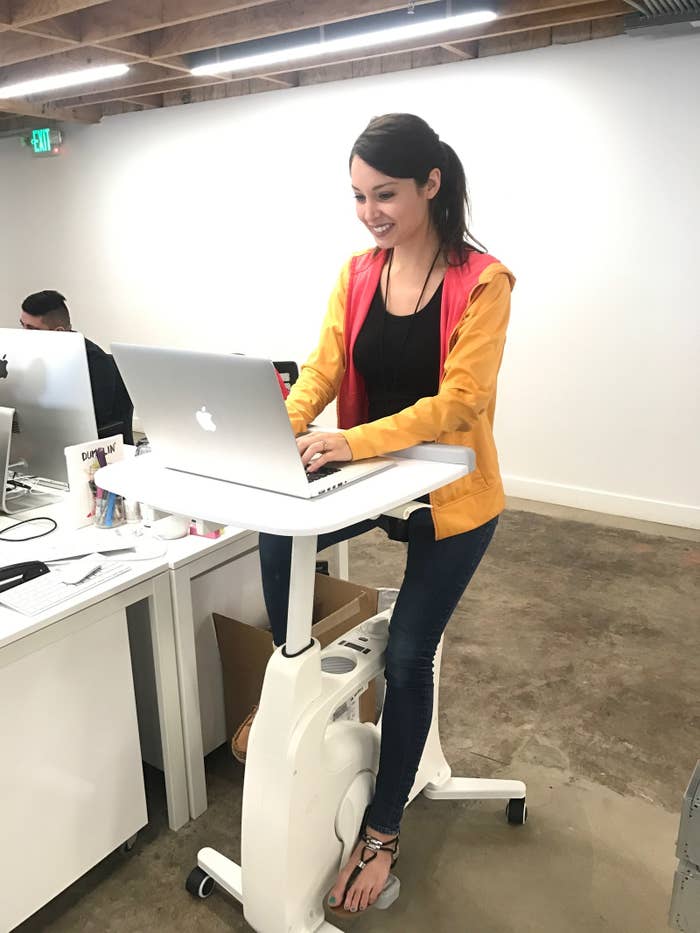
403	145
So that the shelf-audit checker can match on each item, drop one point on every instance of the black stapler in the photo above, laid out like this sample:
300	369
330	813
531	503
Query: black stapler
14	574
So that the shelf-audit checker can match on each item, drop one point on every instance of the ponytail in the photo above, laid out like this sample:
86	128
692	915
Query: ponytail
450	209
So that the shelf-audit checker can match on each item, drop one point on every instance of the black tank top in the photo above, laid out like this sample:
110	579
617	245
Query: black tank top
398	356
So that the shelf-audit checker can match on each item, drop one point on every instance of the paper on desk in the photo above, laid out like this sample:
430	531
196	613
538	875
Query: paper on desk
70	545
81	463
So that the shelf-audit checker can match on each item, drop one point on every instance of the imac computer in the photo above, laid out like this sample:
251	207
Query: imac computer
44	377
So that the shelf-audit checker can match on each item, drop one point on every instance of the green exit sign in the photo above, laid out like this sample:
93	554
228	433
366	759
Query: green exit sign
41	140
45	141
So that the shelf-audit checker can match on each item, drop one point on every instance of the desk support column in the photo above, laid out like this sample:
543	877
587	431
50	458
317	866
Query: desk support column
301	594
339	560
160	610
183	615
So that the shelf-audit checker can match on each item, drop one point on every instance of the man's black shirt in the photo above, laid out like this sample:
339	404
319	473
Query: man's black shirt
109	396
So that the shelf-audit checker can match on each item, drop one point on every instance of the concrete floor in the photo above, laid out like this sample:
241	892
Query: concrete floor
573	663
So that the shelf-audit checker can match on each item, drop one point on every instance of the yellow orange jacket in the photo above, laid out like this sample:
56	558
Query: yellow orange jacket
474	317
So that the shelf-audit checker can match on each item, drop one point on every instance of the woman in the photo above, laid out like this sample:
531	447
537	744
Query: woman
410	347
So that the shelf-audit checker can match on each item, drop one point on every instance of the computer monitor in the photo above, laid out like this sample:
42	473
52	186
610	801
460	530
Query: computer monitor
6	418
44	376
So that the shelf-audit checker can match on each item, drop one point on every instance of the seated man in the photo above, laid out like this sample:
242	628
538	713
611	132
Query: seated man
47	310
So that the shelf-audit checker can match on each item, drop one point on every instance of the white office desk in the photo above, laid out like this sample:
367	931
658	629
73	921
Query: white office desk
231	504
71	780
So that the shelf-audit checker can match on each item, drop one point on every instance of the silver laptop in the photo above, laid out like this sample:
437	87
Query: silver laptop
223	415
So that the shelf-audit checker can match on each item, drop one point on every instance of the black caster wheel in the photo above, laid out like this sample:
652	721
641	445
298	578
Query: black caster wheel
130	843
516	811
199	883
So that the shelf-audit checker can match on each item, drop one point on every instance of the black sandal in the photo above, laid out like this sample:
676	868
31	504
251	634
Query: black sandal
392	887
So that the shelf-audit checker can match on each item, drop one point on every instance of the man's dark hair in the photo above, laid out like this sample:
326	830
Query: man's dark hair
48	303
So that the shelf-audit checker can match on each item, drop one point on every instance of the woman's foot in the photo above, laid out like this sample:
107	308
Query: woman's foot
369	883
239	743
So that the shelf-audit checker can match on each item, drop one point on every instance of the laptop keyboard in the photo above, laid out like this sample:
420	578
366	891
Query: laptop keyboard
324	471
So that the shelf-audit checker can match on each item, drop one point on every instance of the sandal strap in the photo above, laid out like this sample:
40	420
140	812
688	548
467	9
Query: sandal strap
376	845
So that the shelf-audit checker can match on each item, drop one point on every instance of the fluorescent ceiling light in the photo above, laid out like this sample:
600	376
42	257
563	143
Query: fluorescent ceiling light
67	79
349	43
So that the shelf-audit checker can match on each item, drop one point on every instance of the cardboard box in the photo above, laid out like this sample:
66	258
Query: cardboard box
338	607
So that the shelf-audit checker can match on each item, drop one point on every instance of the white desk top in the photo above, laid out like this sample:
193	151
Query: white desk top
178	553
14	625
185	550
143	478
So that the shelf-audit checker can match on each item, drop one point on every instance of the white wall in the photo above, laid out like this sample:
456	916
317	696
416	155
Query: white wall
223	225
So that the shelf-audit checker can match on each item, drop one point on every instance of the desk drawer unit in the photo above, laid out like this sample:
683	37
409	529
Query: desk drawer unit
71	780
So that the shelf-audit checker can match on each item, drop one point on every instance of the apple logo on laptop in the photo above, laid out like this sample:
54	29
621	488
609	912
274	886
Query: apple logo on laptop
3	367
205	420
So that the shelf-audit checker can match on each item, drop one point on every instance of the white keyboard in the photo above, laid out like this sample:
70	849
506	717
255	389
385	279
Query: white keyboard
49	590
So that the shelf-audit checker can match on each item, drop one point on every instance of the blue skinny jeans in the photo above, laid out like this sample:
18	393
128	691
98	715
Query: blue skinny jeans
437	574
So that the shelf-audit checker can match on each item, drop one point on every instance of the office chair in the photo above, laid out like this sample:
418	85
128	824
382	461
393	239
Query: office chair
288	370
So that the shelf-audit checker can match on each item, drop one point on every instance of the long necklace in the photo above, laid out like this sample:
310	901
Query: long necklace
390	385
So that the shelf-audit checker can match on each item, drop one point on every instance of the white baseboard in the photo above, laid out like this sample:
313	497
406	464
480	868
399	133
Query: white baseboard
596	500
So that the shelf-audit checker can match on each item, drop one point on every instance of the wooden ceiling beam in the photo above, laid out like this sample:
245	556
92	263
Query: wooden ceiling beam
18	47
462	54
522	41
251	20
24	46
56	41
116	107
84	58
283	80
417	54
529	7
71	60
68	115
232	89
148	101
157	87
33	11
14	124
275	18
381	64
120	19
513	24
258	22
605	28
53	38
60	27
139	75
138	46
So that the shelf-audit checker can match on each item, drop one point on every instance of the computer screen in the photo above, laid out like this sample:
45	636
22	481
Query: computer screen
44	376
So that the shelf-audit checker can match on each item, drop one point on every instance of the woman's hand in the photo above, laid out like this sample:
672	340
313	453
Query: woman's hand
324	447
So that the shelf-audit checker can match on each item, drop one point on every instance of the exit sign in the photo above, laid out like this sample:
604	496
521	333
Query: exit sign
45	141
41	140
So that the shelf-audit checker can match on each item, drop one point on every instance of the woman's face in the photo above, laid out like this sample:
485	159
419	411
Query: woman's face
394	210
